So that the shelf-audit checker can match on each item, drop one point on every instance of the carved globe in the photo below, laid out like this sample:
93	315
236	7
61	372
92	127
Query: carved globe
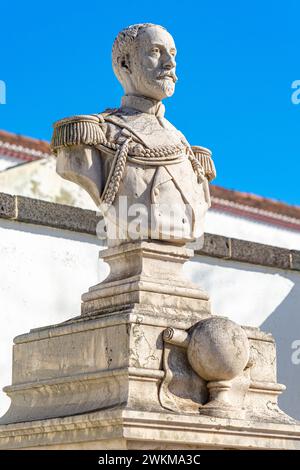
218	349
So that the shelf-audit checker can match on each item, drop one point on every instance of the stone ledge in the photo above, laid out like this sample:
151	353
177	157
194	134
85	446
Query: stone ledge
56	215
244	251
216	246
256	253
7	206
34	211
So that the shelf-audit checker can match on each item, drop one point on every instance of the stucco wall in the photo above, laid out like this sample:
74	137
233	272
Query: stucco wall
7	162
244	228
44	271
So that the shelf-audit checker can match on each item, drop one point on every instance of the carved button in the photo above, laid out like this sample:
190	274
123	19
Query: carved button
156	192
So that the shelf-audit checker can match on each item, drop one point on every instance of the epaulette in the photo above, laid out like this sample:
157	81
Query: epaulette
204	156
78	130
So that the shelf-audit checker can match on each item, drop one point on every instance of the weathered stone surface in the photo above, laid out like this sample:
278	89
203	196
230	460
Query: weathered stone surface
218	349
91	363
256	253
295	260
238	384
216	246
7	206
149	430
60	216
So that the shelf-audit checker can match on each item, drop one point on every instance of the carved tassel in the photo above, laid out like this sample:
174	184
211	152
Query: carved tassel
203	156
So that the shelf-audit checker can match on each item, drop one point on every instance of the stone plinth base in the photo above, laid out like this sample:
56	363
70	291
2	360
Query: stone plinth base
102	383
121	375
88	364
127	429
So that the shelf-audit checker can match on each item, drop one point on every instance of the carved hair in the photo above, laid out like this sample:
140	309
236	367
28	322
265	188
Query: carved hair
123	44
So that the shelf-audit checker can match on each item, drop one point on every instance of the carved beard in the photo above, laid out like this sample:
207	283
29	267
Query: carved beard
165	86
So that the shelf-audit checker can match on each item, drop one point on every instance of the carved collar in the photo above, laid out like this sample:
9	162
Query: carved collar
145	105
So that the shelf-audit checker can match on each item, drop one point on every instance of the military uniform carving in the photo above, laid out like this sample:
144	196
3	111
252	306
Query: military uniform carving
127	162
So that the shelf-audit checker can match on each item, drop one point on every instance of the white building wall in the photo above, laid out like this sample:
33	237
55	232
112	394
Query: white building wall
8	162
243	228
39	180
43	273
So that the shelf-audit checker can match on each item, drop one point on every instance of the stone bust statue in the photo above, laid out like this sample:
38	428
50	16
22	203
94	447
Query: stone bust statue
139	169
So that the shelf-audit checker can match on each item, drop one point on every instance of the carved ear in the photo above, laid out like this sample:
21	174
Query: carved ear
125	63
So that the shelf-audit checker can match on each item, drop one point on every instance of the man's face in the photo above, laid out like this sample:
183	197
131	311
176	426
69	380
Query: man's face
152	62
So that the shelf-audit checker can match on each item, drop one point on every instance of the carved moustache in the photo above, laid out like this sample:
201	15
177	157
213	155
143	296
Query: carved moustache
168	74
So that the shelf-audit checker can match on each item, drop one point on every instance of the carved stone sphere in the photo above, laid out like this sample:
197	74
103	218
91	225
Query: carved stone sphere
218	349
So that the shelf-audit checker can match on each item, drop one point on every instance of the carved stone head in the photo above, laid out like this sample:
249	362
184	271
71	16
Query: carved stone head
143	58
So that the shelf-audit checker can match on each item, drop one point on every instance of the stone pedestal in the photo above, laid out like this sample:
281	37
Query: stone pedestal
146	273
113	378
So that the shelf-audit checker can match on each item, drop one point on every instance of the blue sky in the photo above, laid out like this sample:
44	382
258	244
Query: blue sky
236	63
